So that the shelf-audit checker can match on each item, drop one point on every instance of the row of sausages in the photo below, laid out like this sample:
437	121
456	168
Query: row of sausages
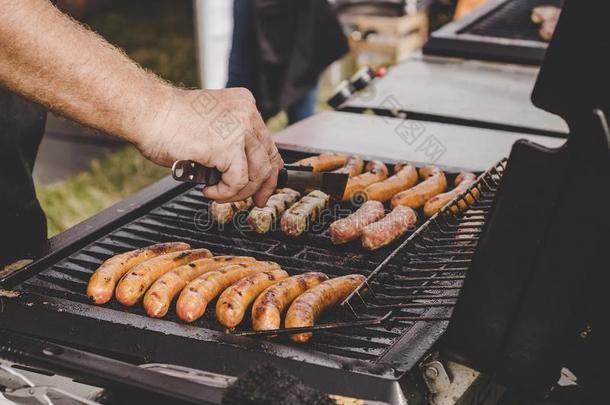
157	274
370	183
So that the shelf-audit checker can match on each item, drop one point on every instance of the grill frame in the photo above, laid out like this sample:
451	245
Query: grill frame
455	40
71	322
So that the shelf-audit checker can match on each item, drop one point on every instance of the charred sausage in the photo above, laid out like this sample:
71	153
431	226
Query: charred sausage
262	219
298	217
462	182
307	307
196	296
353	166
375	171
388	229
323	162
134	284
271	303
404	178
350	228
235	300
103	281
223	213
434	182
160	295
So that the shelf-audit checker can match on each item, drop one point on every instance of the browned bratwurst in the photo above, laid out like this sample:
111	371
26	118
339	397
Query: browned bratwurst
262	219
196	296
134	284
353	166
270	304
223	213
323	162
388	229
103	281
235	300
375	171
307	307
462	182
434	182
160	295
298	217
347	229
404	178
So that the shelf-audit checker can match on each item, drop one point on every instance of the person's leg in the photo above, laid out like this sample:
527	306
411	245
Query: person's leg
304	107
242	59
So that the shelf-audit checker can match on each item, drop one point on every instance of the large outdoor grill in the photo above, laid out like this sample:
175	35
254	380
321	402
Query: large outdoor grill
521	272
412	286
500	30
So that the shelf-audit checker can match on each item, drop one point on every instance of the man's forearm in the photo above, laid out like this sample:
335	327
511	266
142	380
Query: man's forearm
51	59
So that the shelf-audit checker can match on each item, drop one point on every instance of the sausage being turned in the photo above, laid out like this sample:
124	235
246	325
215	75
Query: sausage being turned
434	182
134	284
223	213
353	166
375	171
404	178
160	295
196	296
307	307
323	162
235	300
262	219
350	228
298	217
271	303
462	182
104	280
388	229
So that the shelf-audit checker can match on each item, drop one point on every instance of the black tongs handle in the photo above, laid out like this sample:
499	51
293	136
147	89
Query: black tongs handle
190	171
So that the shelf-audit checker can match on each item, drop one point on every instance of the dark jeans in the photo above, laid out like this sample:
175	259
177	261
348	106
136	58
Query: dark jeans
243	61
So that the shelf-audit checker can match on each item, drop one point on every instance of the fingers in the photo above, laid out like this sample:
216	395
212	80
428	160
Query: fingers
234	178
260	172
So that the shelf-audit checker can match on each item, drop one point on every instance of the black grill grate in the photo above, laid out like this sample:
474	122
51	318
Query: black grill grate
512	20
431	274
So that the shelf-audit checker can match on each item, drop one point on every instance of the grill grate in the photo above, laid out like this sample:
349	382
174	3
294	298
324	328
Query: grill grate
512	21
430	272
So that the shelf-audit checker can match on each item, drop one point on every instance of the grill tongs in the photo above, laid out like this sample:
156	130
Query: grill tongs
293	176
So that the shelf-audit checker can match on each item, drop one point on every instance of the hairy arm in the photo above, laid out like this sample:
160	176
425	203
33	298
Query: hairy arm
51	59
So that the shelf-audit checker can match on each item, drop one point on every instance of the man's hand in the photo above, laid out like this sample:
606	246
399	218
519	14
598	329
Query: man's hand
221	129
51	59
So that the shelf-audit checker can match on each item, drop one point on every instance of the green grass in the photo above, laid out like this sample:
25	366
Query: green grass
107	181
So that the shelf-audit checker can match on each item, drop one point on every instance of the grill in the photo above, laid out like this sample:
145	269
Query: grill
412	287
500	30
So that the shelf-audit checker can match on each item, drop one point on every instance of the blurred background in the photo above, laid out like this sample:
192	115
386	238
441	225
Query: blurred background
79	171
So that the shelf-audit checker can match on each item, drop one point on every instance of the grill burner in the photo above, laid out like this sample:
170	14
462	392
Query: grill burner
500	30
430	268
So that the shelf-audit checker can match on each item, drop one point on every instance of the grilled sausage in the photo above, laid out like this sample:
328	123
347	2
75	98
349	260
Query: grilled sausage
298	217
323	162
134	284
160	295
404	178
388	229
104	280
353	166
307	307
262	219
375	172
434	182
347	229
223	213
235	300
196	296
268	307
462	182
